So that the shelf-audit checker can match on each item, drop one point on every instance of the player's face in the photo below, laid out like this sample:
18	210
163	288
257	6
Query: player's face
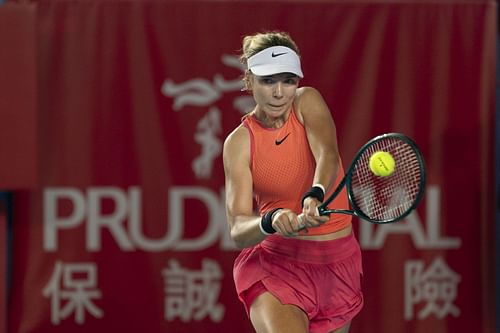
274	94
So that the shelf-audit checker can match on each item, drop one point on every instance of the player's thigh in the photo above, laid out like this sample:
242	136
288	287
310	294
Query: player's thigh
268	315
343	329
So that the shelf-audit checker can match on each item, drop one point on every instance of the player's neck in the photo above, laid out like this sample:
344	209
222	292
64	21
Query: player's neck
271	122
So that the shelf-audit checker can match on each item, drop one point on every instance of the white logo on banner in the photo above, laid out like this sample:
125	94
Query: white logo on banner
436	287
211	146
71	289
124	223
202	92
193	295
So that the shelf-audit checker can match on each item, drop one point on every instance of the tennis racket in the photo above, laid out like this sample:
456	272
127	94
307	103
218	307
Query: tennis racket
382	199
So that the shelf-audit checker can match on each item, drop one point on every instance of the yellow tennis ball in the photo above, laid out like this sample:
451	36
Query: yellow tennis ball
382	164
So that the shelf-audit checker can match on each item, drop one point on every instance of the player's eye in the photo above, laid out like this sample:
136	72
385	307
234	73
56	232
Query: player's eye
292	81
267	80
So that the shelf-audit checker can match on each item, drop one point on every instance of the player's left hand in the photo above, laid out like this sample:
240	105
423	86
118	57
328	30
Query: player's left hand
310	213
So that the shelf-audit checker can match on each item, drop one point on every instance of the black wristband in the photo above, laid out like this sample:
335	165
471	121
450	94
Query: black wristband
266	222
314	192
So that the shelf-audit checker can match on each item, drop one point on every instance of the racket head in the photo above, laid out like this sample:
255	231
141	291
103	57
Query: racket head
391	198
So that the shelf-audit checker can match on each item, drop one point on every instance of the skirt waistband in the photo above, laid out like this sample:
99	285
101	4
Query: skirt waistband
310	251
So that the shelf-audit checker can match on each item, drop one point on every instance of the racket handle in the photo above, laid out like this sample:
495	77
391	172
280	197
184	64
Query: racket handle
301	217
323	211
302	224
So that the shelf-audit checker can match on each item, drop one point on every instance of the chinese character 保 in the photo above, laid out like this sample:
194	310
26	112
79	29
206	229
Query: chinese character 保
71	289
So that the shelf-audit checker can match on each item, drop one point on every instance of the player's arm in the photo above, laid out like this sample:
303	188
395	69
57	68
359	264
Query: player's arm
243	224
322	136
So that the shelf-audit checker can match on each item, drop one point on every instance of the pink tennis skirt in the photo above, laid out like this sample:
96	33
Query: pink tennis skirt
323	278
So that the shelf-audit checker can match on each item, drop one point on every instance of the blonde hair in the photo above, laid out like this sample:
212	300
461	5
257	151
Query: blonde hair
253	44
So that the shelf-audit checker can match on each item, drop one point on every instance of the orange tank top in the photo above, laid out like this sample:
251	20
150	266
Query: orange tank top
283	167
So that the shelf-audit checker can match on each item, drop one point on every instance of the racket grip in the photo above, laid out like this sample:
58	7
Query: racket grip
301	218
302	224
323	211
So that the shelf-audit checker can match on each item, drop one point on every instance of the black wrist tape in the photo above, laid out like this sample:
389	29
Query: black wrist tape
314	192
266	223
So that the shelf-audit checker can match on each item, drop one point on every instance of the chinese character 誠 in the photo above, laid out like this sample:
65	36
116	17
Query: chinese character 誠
192	295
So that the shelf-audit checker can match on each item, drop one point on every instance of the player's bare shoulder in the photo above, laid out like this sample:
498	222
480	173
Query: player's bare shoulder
306	95
237	144
309	100
239	134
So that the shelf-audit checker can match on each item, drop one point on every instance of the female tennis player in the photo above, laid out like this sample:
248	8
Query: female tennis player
284	157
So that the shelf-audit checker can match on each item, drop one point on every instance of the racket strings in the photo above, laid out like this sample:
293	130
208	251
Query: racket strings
387	198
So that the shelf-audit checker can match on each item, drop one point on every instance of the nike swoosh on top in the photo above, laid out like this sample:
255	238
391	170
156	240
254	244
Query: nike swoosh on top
278	142
274	55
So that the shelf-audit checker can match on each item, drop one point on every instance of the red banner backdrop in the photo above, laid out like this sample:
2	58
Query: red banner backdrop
18	102
126	229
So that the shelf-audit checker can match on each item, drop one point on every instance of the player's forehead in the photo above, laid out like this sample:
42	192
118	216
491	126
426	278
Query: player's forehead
279	76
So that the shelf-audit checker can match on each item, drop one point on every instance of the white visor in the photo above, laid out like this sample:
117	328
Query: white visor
274	60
